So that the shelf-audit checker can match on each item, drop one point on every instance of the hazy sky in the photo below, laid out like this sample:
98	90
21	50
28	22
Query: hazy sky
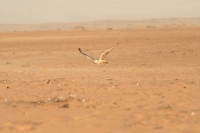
42	11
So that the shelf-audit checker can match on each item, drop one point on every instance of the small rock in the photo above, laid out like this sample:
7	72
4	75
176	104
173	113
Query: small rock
72	95
192	113
65	106
60	99
48	81
83	100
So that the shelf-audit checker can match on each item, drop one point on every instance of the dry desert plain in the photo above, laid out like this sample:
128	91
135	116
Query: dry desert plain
152	83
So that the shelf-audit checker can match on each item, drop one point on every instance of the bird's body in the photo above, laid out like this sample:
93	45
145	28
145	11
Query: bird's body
98	61
101	58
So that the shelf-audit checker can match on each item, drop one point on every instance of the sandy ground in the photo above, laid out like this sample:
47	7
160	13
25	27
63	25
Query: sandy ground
151	85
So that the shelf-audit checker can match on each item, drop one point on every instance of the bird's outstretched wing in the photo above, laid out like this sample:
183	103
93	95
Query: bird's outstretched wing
103	55
89	57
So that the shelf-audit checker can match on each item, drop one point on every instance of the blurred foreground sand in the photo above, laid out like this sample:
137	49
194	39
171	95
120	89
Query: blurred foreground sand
152	83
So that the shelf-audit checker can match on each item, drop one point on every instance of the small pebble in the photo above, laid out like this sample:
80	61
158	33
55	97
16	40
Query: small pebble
192	113
83	100
48	81
72	95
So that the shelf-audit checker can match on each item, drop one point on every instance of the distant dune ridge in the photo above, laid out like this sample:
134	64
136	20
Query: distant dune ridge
103	24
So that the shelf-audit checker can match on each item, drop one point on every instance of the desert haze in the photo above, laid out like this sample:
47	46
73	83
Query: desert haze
152	83
104	24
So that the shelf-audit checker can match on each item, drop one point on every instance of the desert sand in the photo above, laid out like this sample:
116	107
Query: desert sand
104	24
152	83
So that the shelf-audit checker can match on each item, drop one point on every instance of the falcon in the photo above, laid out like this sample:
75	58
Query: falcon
101	58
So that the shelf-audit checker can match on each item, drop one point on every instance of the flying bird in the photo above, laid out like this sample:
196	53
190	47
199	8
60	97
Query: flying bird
101	58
